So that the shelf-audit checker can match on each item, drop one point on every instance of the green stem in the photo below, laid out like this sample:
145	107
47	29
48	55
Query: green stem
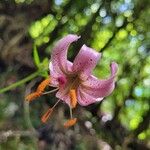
19	83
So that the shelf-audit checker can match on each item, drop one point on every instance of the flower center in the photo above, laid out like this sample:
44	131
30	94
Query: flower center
74	82
71	82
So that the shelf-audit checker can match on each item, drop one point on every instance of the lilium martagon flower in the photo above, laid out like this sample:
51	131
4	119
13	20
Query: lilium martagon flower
73	82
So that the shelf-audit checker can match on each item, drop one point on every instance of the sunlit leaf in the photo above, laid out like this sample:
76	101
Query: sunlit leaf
36	56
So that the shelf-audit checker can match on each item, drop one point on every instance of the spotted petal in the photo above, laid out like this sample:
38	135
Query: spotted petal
59	53
63	96
85	62
85	99
100	88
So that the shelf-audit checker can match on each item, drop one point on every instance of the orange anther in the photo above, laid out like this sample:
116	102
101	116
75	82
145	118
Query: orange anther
45	117
43	85
32	96
70	122
73	98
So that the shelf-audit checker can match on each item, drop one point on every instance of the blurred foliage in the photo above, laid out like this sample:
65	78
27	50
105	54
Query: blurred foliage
119	29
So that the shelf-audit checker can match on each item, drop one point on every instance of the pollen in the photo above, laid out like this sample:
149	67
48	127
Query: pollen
43	85
32	96
70	123
45	117
73	98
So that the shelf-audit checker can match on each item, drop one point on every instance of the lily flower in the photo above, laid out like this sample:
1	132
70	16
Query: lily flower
74	81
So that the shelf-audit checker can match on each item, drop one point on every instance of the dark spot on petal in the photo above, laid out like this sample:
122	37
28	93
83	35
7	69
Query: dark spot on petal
91	60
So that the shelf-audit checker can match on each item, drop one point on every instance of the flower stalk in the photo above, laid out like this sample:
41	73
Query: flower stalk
19	83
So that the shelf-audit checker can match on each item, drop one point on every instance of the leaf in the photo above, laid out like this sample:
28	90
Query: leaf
44	67
36	56
44	74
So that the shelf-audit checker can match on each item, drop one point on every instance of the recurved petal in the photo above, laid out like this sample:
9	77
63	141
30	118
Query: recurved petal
54	75
101	88
85	62
59	53
85	99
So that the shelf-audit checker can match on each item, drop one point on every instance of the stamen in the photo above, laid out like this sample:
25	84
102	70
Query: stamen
70	122
73	98
32	96
43	85
40	90
45	117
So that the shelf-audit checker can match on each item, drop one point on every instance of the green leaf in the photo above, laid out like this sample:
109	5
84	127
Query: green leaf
44	74
44	67
36	56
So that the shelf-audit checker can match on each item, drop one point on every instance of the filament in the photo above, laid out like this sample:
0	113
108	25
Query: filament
70	112
56	104
48	92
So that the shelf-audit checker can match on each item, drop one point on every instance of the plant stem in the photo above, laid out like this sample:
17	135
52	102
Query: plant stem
19	83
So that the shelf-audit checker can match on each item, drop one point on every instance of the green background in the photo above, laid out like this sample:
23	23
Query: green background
120	29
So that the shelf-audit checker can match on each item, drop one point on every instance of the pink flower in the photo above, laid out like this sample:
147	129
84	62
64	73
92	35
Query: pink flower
74	82
78	75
